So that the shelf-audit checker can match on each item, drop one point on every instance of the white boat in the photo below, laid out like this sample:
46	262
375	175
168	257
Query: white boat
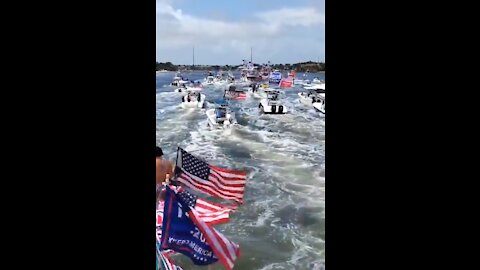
193	99
262	93
209	80
320	104
320	86
310	97
178	81
271	104
221	117
232	92
316	81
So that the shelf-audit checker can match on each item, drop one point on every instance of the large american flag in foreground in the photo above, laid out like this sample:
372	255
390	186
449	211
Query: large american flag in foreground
218	182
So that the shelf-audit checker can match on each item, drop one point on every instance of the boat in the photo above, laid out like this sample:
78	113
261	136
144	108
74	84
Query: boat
181	89
178	81
319	105
272	104
262	93
210	80
310	97
320	86
193	99
232	92
317	81
221	116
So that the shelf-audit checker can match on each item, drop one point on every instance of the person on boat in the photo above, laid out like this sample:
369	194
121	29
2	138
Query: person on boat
163	167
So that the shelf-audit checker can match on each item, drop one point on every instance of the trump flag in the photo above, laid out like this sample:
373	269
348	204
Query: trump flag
184	232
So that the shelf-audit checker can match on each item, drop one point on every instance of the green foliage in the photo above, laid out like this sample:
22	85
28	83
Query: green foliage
166	66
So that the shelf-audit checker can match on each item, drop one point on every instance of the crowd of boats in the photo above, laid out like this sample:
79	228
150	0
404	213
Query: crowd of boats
261	83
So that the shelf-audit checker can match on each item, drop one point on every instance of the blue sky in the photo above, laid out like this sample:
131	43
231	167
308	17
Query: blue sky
223	31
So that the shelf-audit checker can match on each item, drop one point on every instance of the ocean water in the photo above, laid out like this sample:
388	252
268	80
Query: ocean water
281	225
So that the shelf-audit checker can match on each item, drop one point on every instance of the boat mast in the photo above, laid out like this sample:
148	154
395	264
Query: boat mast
193	67
251	59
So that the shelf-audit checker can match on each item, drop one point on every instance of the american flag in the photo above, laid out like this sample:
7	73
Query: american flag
226	250
222	183
209	212
240	96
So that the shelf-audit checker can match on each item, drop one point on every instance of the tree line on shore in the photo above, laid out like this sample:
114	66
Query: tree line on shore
299	67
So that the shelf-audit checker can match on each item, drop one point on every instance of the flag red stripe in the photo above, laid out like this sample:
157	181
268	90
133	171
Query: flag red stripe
206	204
219	182
215	184
191	184
240	173
213	240
228	249
214	192
229	180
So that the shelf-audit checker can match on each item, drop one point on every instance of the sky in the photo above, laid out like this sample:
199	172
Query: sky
223	31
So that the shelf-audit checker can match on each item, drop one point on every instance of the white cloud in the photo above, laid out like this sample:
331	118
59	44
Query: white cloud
293	16
178	30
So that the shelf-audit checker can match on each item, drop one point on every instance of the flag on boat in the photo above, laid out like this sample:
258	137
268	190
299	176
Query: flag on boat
215	181
292	74
209	212
189	235
275	77
286	83
239	96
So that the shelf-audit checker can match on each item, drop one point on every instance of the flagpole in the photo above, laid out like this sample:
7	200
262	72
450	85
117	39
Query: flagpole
175	170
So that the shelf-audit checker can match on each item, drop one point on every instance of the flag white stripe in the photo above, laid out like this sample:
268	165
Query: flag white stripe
204	205
226	181
229	175
220	188
229	246
213	178
212	192
213	214
214	241
207	184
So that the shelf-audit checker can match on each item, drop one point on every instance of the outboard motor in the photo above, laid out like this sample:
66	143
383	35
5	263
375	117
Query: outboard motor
183	99
280	109
198	98
188	98
274	108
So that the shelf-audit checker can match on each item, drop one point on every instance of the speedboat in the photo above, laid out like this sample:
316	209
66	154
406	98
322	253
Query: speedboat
310	97
178	81
275	77
318	86
193	99
272	104
316	81
232	92
221	116
262	93
209	80
319	105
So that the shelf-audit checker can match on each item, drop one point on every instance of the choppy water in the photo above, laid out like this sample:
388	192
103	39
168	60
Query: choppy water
282	222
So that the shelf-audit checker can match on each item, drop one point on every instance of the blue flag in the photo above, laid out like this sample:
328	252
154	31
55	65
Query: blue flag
180	234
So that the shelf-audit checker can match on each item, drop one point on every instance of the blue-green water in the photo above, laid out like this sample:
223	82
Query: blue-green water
282	222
